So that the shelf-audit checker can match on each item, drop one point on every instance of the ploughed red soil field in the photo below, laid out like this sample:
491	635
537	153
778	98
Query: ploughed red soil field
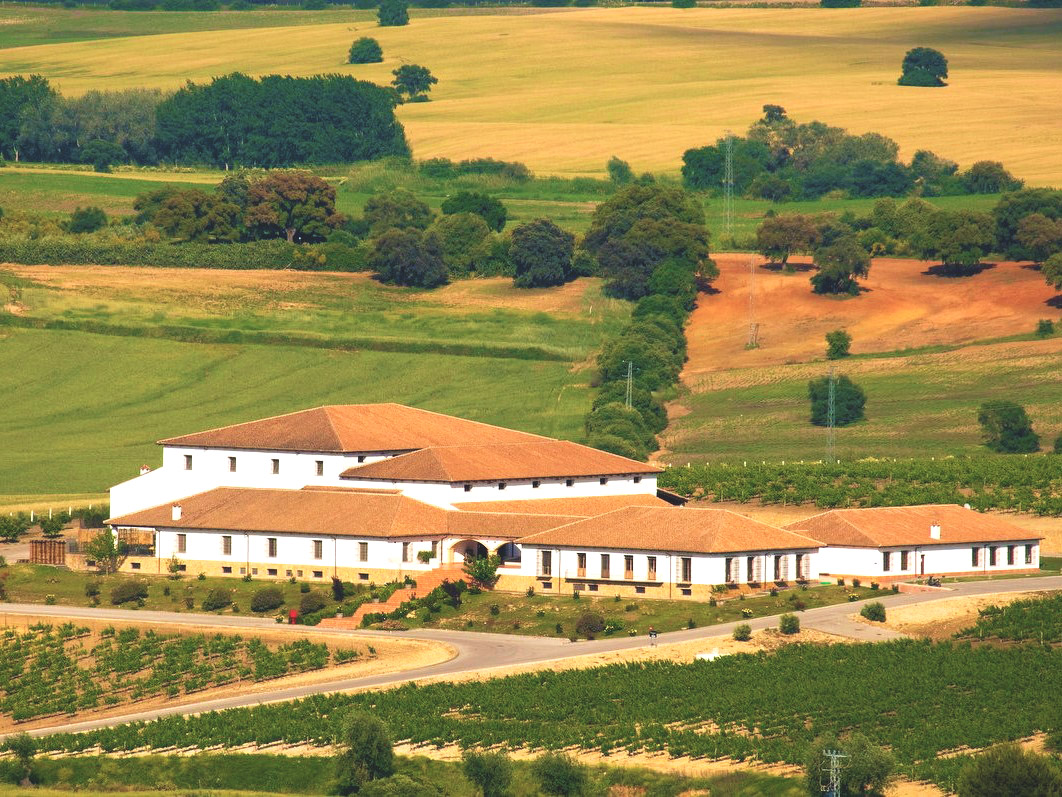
905	304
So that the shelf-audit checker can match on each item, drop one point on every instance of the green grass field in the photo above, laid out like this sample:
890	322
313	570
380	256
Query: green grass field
563	90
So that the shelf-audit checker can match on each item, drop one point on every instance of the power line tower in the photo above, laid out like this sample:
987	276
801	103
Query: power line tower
728	186
630	382
831	769
754	328
831	417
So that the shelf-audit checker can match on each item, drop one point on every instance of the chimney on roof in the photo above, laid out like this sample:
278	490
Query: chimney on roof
144	469
934	531
176	514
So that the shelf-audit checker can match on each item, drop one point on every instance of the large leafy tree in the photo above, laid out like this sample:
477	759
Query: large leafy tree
989	177
365	51
393	13
296	205
366	753
959	239
849	401
408	257
1006	428
780	236
492	210
16	94
840	265
414	81
397	209
1040	236
542	254
462	237
194	215
923	66
1013	207
1008	769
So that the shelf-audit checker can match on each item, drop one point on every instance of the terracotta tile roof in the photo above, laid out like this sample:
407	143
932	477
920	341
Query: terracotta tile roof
882	527
500	461
339	512
682	530
588	506
502	525
352	427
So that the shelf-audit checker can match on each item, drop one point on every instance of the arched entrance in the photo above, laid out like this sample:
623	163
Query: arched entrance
467	549
510	552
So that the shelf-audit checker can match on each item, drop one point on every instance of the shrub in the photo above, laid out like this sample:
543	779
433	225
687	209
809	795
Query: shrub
312	602
368	754
495	610
789	624
1006	428
52	527
589	623
491	772
875	612
267	599
129	591
559	774
87	219
683	3
743	632
856	583
217	599
92	589
837	344
1045	328
840	3
304	588
483	570
393	13
365	51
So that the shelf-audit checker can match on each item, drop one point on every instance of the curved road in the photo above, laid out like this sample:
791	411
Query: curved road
480	652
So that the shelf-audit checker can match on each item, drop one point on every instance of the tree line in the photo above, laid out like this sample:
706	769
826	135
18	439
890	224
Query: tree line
779	159
235	120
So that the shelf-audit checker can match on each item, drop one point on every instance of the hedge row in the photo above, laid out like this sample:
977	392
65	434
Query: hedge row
83	251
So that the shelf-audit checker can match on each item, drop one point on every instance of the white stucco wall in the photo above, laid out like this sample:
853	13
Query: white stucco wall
939	559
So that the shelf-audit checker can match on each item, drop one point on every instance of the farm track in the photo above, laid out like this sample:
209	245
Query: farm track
490	654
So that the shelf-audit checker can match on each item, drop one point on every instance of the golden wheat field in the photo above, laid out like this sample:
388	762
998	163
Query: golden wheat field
563	90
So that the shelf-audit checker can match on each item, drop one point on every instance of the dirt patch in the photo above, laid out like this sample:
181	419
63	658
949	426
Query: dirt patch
942	619
392	655
902	308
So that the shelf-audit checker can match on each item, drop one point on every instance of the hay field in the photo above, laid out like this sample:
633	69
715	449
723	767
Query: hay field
564	90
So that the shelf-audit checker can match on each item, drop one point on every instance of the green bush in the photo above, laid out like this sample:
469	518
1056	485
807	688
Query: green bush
87	219
840	3
789	624
683	3
368	754
743	632
60	251
393	13
491	772
365	51
267	599
875	612
589	623
217	599
1008	769
1045	328
312	602
559	774
129	591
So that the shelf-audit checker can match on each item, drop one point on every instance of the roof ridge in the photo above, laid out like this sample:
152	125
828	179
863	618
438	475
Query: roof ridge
340	446
466	420
239	423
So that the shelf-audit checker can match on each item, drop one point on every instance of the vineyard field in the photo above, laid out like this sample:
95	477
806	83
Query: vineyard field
1012	483
1036	620
49	670
768	707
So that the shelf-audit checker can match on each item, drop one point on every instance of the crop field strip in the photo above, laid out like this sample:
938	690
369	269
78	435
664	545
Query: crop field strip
588	98
767	707
49	671
1036	620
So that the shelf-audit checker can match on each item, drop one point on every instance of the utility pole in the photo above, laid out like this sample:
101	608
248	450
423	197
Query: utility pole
754	328
728	186
831	418
630	382
832	769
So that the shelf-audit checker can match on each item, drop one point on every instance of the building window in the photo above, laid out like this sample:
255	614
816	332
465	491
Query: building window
287	573
276	466
320	467
886	563
227	569
778	562
904	560
728	569
501	485
363	552
1028	554
569	482
606	571
686	591
361	457
135	565
405	552
232	464
802	566
536	484
686	569
546	568
363	576
187	461
750	570
468	488
271	547
639	590
637	479
272	571
628	566
593	587
992	556
651	574
603	480
547	585
226	545
974	559
182	543
1010	554
580	565
318	549
254	571
434	548
318	574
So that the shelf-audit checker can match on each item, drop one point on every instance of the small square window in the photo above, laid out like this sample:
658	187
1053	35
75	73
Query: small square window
687	591
318	574
226	569
232	464
320	467
182	568
578	587
276	466
603	480
363	576
547	585
637	479
361	457
254	571
287	573
569	482
468	488
243	571
187	461
536	484
272	571
593	587
135	565
298	574
501	485
639	590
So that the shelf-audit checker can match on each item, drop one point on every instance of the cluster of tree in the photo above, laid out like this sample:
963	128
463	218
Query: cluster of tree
1006	428
837	251
293	205
779	159
923	66
234	120
651	245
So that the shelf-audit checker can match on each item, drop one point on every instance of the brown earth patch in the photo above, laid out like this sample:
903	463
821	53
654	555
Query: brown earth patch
942	619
